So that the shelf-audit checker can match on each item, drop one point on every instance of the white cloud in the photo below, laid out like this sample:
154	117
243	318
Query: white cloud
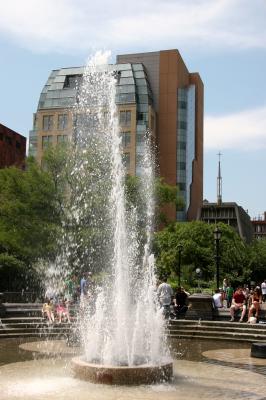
245	130
73	25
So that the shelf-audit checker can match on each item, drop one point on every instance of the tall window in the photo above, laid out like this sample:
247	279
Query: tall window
126	160
47	141
62	138
62	121
126	138
125	118
48	122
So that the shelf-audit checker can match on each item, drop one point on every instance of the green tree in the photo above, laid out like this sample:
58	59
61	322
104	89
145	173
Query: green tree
28	216
198	251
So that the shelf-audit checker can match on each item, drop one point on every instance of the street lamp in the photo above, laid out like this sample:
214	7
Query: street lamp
217	237
198	272
179	249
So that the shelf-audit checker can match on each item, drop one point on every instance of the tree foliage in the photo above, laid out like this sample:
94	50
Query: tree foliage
239	262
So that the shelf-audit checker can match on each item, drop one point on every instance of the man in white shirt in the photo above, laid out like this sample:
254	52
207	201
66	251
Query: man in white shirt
263	290
218	299
165	293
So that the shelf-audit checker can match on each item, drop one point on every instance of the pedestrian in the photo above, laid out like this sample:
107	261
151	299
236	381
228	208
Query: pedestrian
229	295
263	290
165	293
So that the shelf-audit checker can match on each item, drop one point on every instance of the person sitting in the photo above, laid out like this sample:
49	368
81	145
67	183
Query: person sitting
256	300
180	301
218	298
62	311
238	303
48	310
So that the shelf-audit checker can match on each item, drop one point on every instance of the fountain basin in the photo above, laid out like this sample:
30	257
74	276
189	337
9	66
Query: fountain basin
120	375
258	350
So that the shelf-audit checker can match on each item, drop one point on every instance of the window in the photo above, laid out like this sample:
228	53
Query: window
8	140
46	141
152	122
182	186
1	136
48	122
126	160
18	145
126	138
62	138
140	139
62	121
182	125
143	117
181	165
72	81
125	118
182	145
182	104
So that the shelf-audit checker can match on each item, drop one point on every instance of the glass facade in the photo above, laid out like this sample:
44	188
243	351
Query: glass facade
133	89
185	145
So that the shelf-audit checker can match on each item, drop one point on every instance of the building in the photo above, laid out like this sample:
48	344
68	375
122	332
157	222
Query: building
154	91
259	227
229	213
12	148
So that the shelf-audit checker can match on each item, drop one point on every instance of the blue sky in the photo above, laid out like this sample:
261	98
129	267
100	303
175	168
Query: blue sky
224	40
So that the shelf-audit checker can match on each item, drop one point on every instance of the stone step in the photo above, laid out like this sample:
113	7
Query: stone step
46	329
35	325
217	324
225	335
242	328
31	334
222	338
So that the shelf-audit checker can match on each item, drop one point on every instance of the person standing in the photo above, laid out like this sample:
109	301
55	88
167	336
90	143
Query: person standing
263	290
229	295
165	293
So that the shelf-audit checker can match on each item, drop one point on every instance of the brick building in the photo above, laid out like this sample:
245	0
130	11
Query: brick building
12	148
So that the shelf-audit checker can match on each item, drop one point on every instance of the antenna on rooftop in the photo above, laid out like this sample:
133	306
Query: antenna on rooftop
219	181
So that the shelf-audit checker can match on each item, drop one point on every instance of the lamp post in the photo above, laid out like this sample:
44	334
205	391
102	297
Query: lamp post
217	237
179	249
198	272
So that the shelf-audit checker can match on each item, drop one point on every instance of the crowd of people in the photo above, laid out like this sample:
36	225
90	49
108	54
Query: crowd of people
56	306
245	300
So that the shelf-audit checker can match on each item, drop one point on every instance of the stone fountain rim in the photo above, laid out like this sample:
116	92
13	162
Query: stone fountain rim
80	361
122	375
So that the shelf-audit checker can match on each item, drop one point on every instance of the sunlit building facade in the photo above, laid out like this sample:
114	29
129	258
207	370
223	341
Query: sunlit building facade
155	91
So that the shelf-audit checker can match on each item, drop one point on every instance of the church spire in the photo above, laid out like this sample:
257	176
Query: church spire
219	182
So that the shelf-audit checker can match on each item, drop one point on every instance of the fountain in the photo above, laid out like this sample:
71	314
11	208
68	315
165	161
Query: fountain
122	331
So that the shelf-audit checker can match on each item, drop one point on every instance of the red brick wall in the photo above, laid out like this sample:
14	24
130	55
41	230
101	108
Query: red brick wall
12	148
